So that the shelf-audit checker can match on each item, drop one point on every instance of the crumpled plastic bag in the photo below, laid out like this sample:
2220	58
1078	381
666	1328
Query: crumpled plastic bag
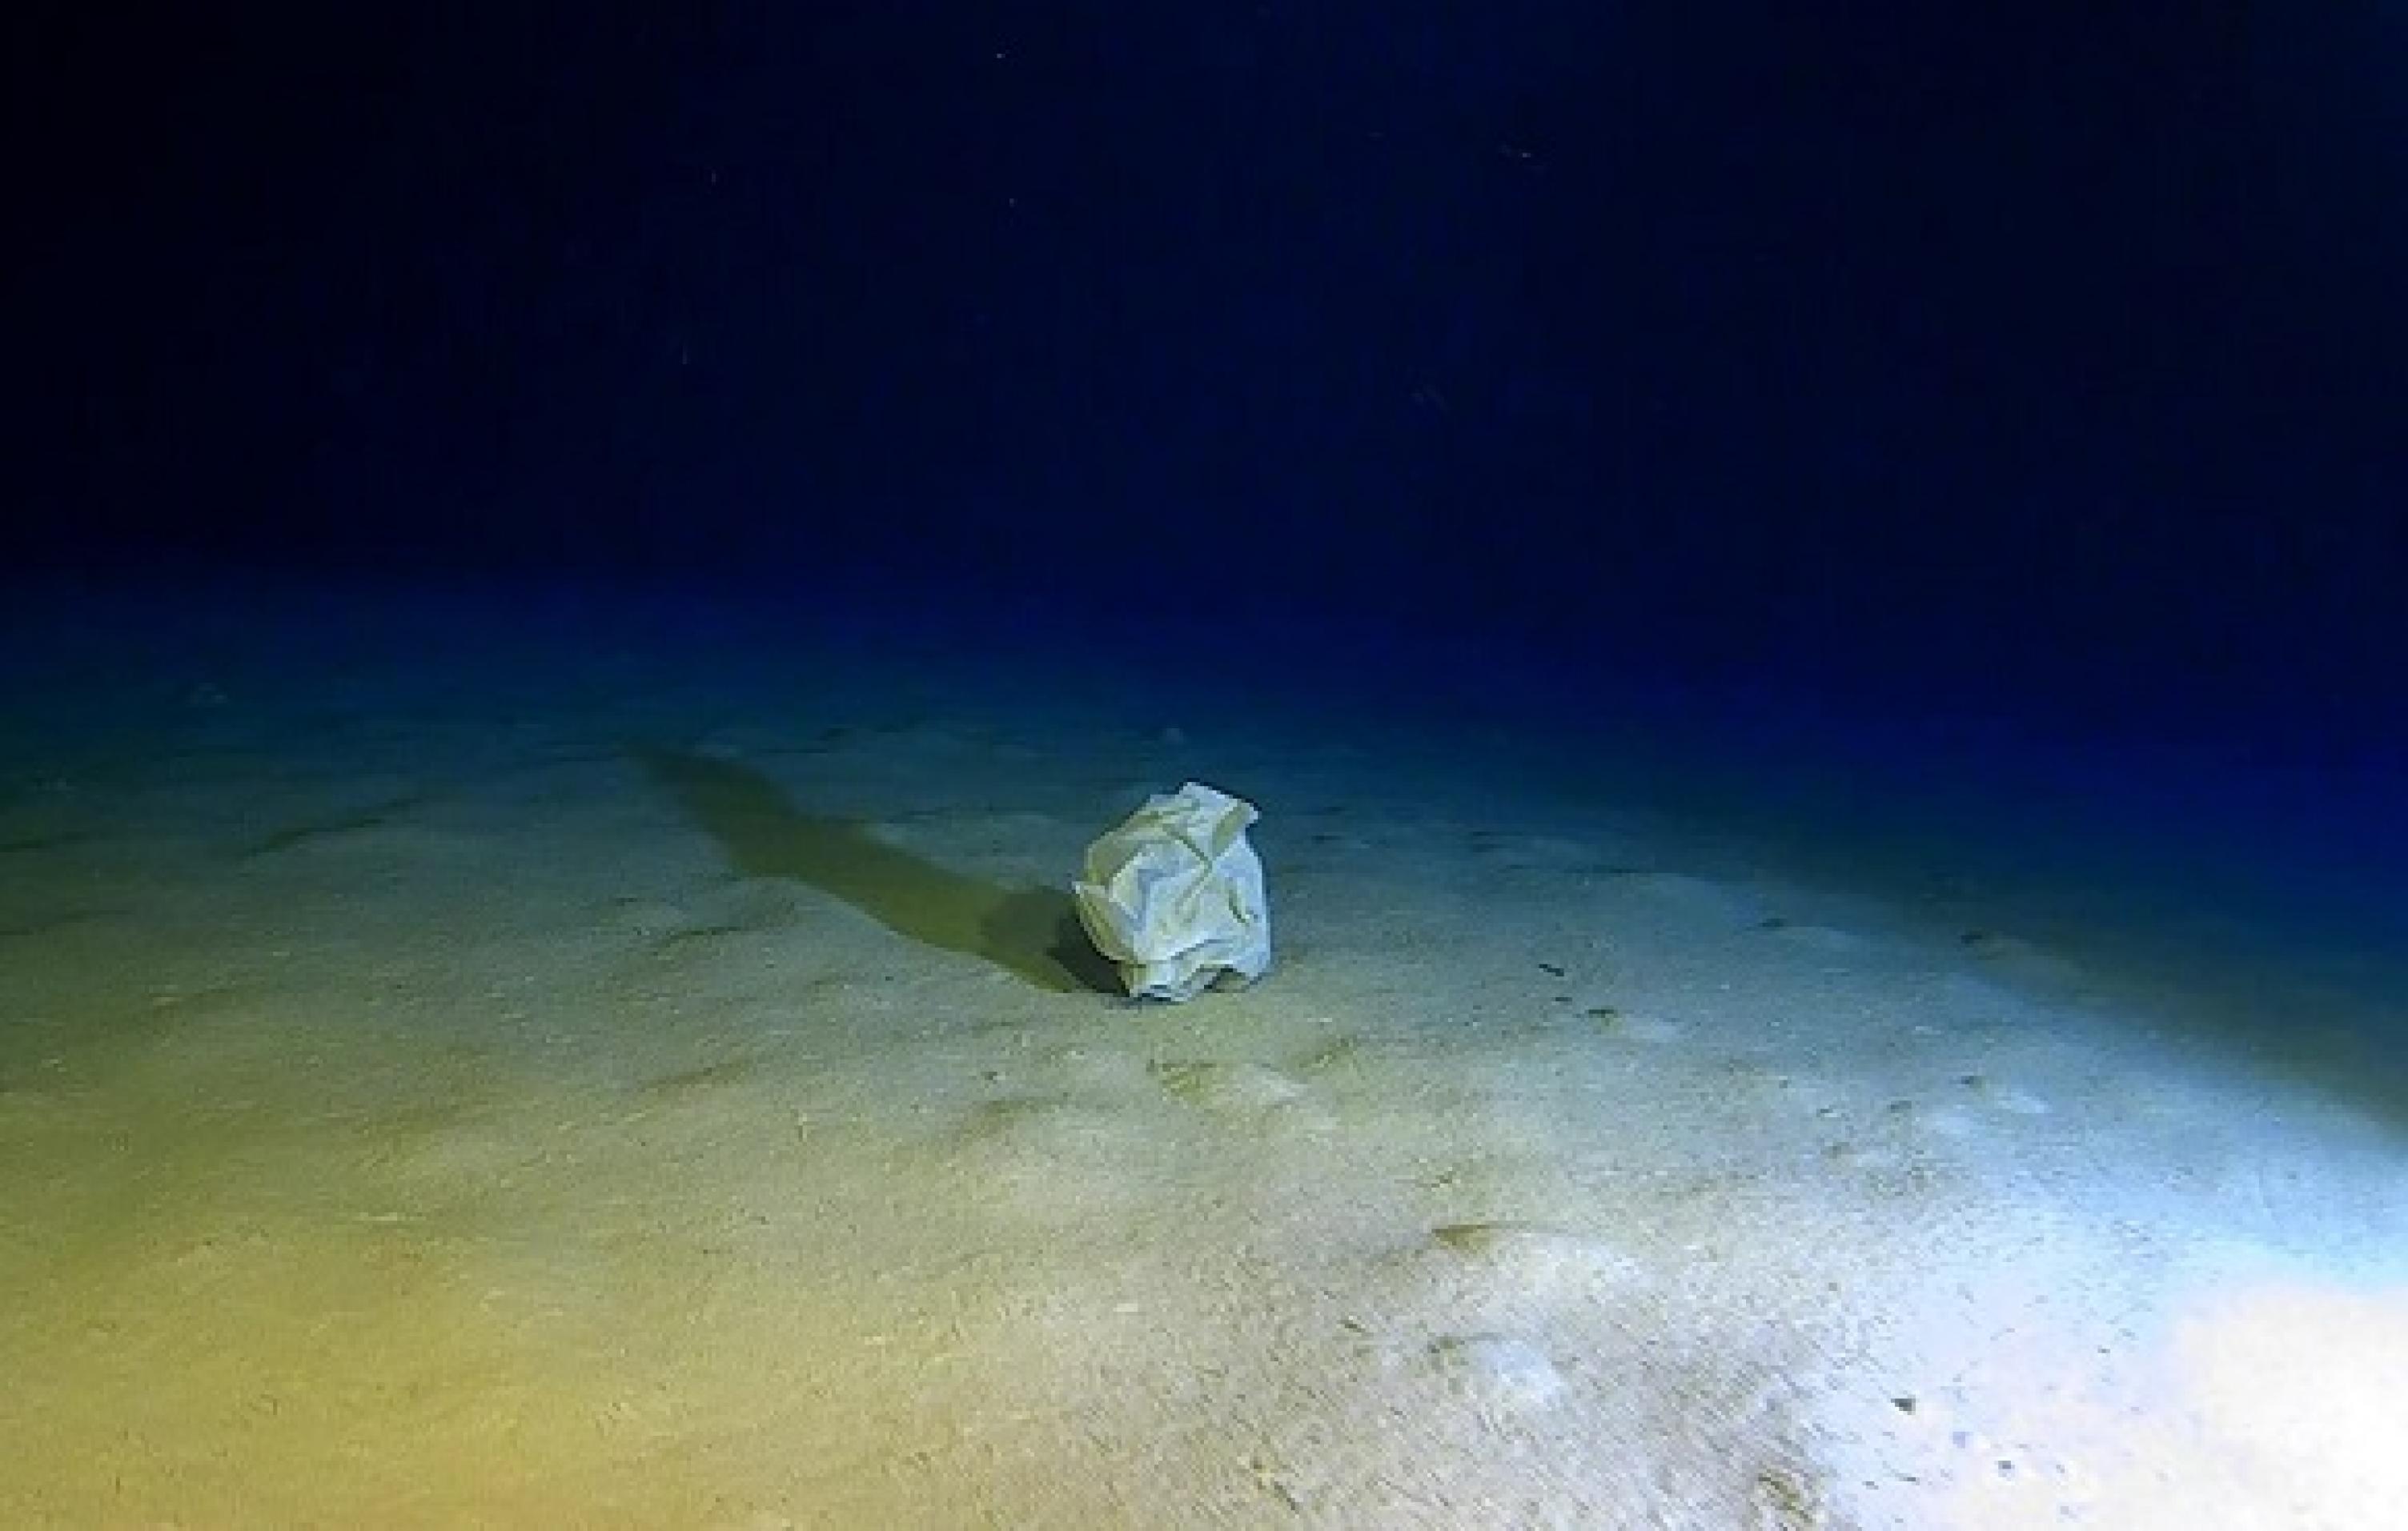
1174	896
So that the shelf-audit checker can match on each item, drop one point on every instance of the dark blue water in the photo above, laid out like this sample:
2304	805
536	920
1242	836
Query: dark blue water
1938	436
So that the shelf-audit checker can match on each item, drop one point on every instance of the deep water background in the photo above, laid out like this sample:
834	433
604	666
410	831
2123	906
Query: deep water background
1996	389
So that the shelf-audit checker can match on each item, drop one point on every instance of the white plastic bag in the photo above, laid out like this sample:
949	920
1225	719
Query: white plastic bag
1174	896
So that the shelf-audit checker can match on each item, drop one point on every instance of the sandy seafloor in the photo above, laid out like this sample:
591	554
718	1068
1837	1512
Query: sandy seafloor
614	1075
